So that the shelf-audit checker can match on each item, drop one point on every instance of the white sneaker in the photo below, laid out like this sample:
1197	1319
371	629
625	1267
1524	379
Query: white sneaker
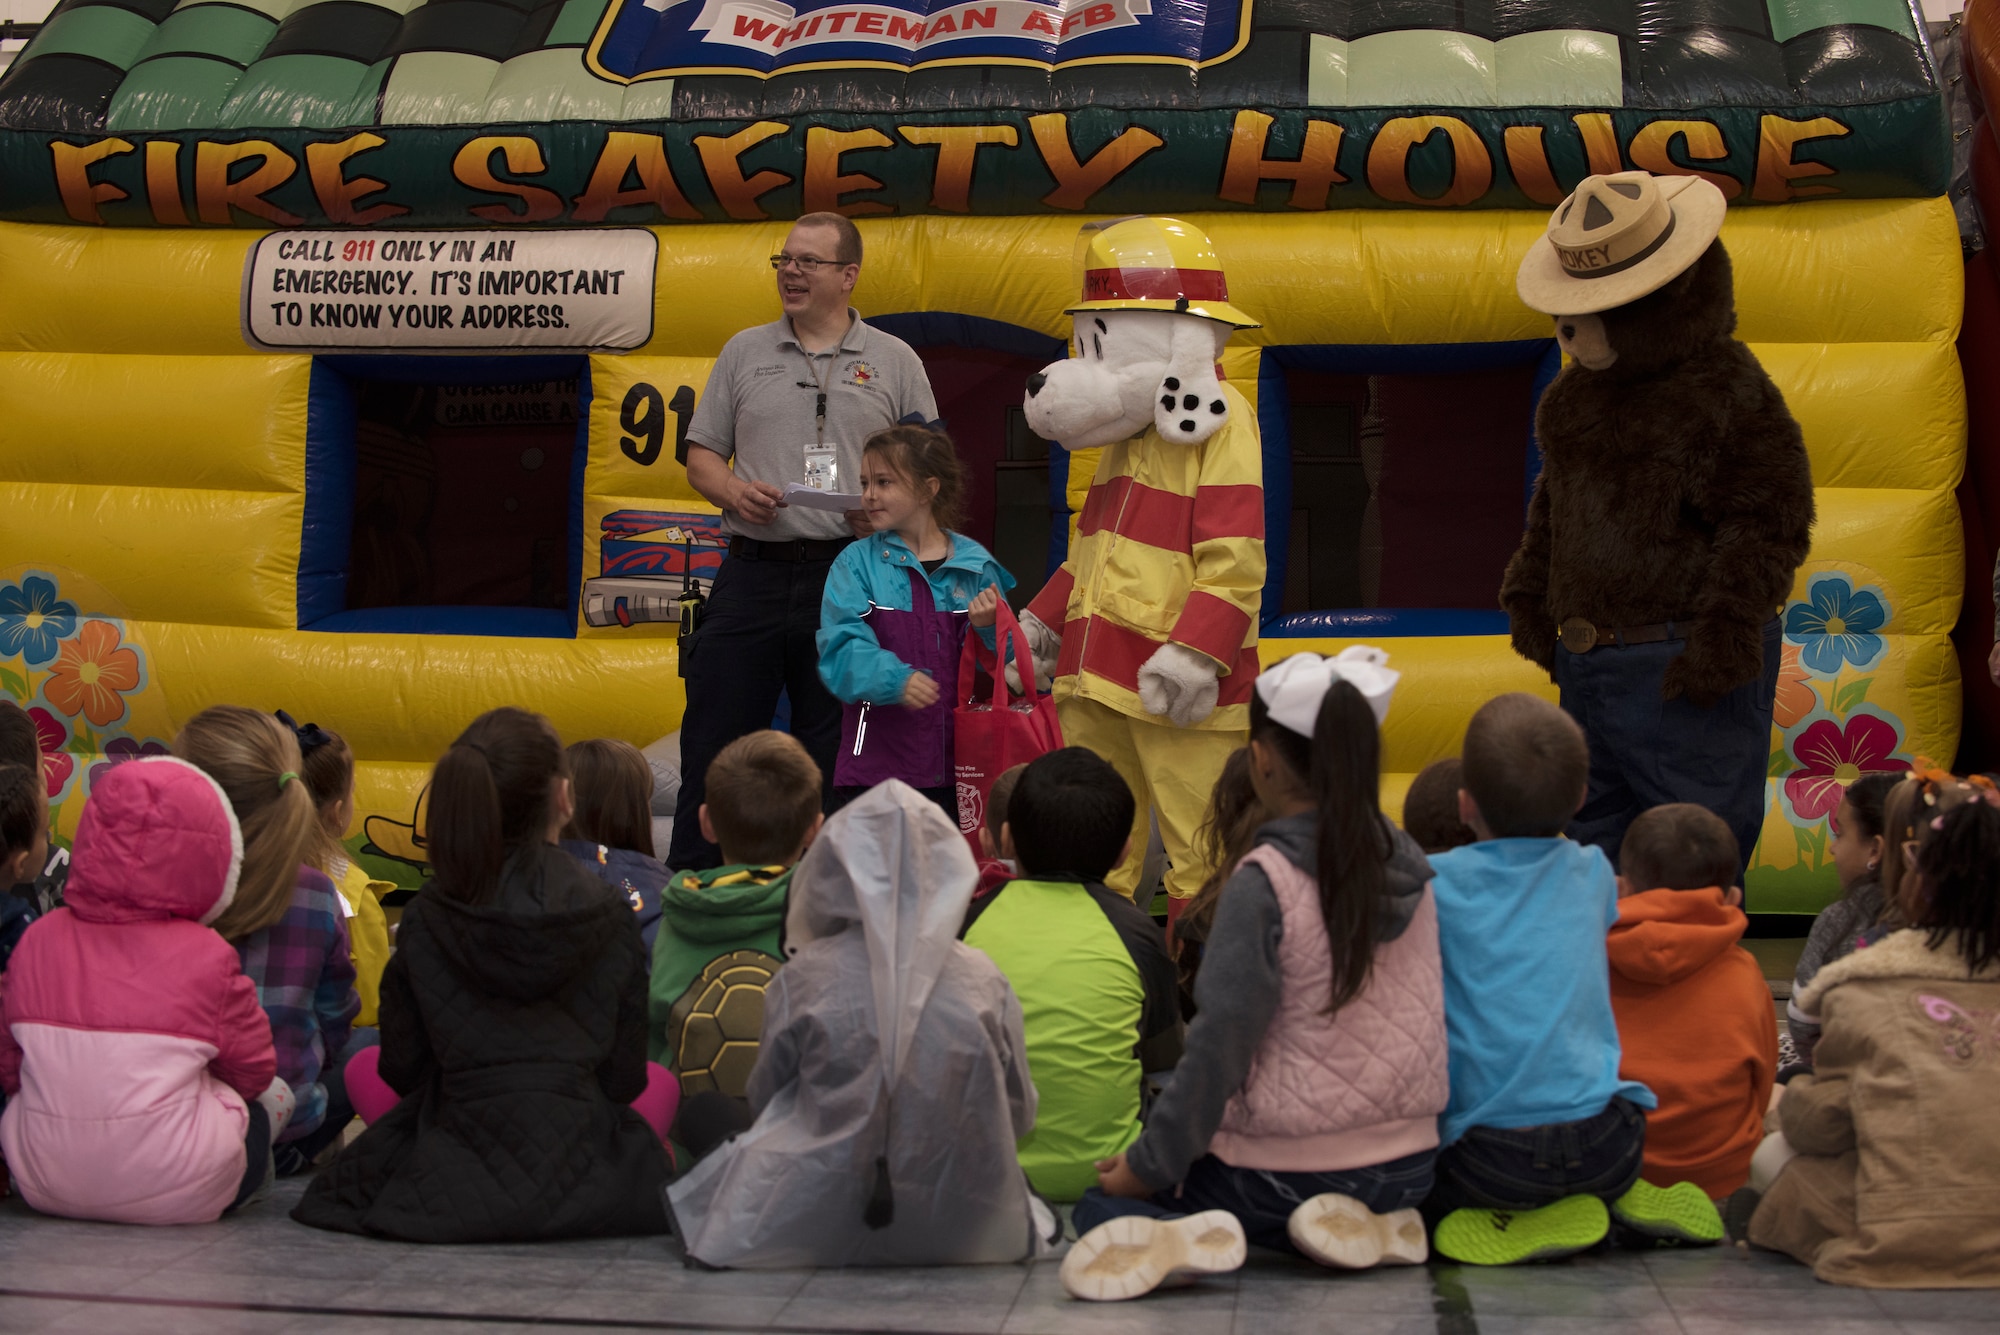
1340	1231
279	1105
1134	1254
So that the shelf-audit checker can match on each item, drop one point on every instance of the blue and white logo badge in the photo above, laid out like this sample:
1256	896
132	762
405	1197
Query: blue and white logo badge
645	39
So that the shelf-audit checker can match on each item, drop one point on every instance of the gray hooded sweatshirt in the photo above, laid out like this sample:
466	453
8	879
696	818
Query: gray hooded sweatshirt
1237	993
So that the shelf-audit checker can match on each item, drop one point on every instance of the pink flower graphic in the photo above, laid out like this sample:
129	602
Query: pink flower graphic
1830	757
57	764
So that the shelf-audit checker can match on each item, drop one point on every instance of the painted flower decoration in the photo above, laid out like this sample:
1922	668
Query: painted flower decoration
91	673
1836	624
33	620
121	749
52	736
1831	757
1795	697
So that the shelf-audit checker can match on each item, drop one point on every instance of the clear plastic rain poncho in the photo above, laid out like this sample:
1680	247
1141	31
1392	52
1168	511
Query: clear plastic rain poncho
892	1080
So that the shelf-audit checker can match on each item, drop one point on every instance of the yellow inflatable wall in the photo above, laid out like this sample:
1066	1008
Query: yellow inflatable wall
153	477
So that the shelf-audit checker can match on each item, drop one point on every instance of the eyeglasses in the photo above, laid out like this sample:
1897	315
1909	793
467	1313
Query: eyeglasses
806	264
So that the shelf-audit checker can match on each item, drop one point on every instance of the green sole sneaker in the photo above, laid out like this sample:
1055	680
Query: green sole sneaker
1680	1213
1511	1237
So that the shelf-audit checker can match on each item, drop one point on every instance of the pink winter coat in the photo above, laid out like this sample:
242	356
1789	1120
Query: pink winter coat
131	1039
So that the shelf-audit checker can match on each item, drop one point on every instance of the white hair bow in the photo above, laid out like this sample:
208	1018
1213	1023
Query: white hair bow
1293	688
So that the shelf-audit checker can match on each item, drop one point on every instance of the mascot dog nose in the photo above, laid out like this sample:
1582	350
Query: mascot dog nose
1569	331
1035	383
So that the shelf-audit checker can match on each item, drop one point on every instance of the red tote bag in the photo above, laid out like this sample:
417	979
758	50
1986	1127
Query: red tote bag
992	736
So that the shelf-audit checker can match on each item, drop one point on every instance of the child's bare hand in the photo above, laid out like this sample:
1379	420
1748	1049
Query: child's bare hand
919	692
983	606
1115	1179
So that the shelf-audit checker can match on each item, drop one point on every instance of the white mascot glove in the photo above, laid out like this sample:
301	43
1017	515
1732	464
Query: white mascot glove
1044	647
1180	683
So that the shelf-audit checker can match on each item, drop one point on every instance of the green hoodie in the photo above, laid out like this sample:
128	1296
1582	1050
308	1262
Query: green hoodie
718	944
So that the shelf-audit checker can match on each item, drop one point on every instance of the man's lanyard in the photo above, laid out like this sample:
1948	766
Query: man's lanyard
819	381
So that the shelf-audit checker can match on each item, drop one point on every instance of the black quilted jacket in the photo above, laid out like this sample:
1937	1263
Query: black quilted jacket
516	1033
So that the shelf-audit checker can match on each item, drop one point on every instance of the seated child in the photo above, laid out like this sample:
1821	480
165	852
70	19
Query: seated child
1694	1011
1226	832
22	859
1887	1159
137	1064
1541	1130
327	766
1857	847
513	1029
995	870
1430	807
1088	966
38	891
612	831
1305	1112
720	930
893	1079
287	921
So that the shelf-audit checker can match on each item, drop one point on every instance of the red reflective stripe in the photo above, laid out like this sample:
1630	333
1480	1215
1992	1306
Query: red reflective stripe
1154	285
1051	605
1115	654
1100	504
1212	625
1228	512
1145	514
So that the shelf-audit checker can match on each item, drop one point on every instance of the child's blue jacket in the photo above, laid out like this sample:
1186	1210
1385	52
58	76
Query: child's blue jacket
875	572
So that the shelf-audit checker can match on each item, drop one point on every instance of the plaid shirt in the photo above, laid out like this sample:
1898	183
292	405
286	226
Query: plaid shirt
304	974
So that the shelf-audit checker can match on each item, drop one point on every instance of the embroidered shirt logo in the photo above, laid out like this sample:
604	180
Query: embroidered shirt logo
860	373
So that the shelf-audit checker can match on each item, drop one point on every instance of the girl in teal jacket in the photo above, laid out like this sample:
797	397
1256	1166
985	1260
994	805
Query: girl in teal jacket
894	616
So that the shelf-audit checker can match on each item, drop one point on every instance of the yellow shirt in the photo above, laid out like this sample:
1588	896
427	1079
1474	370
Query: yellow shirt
367	934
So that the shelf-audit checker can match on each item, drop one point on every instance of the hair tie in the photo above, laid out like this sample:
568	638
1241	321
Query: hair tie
311	736
918	419
285	778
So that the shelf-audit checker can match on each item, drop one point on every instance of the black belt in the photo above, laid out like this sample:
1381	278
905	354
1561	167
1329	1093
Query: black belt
1580	636
797	550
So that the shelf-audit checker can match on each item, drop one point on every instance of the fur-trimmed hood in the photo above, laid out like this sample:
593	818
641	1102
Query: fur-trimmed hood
1904	954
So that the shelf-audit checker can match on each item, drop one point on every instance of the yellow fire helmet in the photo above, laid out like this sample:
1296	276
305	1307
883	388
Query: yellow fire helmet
1154	264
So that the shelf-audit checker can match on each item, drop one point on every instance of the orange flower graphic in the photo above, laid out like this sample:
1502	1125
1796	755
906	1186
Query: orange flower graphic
90	673
1795	696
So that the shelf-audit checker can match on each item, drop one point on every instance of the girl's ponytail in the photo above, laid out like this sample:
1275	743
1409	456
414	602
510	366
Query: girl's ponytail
490	796
256	761
1354	841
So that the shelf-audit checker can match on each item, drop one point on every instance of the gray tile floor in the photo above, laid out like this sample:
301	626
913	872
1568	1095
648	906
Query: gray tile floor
262	1273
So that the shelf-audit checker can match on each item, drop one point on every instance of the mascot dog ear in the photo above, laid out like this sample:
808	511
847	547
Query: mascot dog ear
1190	406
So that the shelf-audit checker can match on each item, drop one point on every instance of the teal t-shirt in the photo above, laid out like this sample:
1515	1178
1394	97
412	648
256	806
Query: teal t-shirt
1527	984
1081	1002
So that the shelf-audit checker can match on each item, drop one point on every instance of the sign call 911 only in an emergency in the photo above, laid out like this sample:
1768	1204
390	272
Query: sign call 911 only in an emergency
496	291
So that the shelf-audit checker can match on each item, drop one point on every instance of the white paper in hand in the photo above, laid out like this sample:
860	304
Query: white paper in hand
811	498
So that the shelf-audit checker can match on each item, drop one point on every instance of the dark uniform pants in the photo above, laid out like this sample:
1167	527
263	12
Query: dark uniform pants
756	643
1646	752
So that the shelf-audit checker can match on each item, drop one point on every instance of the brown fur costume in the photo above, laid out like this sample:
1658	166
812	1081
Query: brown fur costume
1674	487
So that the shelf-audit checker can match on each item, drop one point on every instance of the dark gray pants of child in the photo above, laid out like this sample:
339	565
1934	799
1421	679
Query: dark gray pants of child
1527	1168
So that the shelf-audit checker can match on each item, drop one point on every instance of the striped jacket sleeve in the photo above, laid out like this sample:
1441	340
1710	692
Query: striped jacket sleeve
1227	544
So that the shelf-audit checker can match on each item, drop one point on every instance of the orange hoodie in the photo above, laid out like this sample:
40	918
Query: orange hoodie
1698	1029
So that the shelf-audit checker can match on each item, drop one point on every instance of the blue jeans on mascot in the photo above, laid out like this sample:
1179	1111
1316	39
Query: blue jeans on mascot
1646	751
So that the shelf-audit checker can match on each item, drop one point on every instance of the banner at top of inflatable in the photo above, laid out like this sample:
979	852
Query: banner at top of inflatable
462	112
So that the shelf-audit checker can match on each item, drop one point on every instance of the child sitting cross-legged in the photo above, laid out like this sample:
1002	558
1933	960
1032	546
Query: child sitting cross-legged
996	868
720	930
1887	1157
1304	1114
511	1099
1542	1130
611	833
1089	967
892	1081
1694	1012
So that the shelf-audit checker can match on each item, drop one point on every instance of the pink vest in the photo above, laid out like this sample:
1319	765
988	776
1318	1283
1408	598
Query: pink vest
1362	1086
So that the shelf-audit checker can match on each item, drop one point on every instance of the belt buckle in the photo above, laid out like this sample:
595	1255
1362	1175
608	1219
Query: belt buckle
1578	636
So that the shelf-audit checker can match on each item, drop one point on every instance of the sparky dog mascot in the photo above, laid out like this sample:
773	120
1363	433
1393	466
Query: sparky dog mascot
1674	506
1149	630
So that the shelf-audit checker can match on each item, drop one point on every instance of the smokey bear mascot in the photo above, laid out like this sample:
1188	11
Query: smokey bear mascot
1674	505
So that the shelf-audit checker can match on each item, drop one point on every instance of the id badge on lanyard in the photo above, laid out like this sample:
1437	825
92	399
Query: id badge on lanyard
822	468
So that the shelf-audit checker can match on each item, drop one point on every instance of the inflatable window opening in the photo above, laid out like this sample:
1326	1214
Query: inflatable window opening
218	488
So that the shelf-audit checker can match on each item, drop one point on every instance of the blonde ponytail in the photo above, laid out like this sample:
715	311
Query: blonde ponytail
256	761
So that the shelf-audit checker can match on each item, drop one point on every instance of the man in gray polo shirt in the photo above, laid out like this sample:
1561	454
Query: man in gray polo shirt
788	402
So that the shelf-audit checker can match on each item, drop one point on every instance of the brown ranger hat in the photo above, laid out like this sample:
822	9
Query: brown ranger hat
1616	239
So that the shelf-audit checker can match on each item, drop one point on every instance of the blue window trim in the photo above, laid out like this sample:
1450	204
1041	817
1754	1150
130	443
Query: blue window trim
1274	423
326	533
